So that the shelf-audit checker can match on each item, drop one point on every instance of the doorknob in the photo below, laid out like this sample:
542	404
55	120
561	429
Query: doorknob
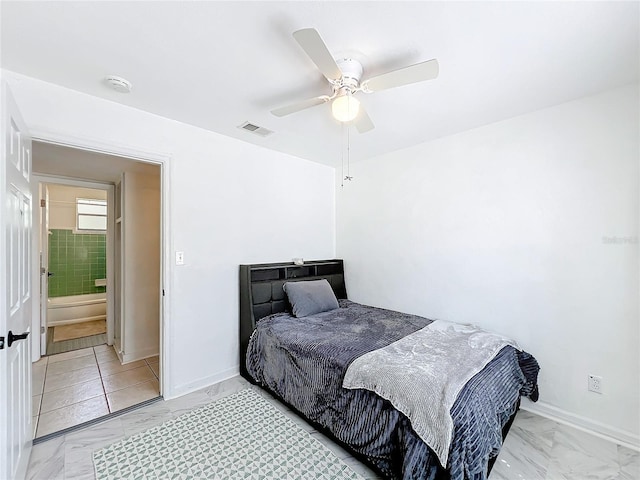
12	338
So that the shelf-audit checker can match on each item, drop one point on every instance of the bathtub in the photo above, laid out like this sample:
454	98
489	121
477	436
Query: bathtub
76	309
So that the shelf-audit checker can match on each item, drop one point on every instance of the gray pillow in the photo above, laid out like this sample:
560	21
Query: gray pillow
310	297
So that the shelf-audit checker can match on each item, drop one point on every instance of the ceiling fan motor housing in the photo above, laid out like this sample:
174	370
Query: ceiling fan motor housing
351	72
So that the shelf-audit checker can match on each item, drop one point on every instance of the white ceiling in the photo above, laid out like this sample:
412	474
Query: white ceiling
61	161
218	64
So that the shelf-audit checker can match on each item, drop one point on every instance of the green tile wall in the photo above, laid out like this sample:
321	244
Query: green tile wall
76	261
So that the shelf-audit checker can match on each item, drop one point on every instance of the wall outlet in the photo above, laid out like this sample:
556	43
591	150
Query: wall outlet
595	384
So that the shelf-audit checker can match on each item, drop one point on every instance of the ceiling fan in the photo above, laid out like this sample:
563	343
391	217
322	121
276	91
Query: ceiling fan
345	76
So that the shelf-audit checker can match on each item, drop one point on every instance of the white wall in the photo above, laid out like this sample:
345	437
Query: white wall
230	203
527	227
141	231
62	204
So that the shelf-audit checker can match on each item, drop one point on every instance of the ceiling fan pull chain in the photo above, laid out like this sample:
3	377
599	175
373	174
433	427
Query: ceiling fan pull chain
342	154
348	177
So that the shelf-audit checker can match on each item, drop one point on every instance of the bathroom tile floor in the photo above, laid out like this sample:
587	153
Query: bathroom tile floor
74	387
535	449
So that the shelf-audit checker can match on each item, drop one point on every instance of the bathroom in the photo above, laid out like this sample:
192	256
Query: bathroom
76	239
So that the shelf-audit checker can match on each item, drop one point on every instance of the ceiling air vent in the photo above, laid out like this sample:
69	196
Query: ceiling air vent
250	127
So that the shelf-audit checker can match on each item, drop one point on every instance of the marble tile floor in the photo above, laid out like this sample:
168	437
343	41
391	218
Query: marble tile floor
536	448
77	386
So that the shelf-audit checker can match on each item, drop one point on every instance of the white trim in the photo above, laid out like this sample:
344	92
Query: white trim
111	258
601	430
71	181
36	278
166	267
203	382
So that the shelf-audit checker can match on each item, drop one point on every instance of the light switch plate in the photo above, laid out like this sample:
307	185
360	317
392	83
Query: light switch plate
179	258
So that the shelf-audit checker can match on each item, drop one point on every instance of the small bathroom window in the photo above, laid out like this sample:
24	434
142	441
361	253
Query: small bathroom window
91	215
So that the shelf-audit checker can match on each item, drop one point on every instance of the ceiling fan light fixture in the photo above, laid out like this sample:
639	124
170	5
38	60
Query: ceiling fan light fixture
345	108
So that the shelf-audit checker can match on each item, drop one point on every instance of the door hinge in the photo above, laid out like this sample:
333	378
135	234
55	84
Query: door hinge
43	202
1	343
42	329
163	292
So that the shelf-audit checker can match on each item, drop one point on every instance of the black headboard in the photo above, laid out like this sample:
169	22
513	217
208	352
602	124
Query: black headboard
261	291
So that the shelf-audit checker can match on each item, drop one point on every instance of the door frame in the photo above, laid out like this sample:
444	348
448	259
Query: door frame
41	218
40	179
166	267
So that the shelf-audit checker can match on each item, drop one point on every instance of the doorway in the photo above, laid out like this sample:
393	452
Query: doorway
74	256
87	377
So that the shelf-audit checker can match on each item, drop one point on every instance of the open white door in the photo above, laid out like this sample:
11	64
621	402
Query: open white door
15	291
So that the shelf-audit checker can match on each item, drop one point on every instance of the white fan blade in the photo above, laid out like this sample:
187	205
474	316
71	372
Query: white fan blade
296	107
404	76
310	41
362	122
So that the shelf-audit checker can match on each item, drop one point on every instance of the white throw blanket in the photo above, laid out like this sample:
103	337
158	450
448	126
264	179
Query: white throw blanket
423	373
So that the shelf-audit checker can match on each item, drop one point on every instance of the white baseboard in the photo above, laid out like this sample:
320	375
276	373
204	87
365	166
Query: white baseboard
613	434
201	383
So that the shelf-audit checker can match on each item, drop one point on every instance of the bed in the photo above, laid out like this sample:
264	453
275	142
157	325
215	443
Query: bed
312	361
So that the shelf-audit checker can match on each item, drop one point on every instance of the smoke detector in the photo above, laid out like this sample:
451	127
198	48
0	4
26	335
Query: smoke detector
119	84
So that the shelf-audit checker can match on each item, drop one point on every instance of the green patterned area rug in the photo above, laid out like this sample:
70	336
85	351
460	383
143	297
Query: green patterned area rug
241	436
